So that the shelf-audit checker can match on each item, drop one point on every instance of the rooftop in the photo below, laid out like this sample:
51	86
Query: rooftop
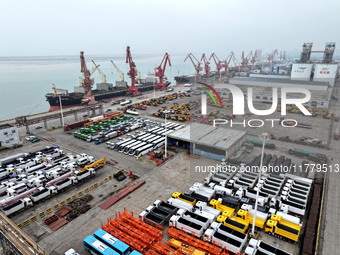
274	80
218	137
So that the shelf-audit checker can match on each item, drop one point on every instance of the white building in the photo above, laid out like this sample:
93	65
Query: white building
301	71
326	73
263	87
9	136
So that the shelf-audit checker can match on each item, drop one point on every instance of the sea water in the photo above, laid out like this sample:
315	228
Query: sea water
24	81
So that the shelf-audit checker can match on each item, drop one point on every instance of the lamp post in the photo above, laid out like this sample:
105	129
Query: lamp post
263	137
166	142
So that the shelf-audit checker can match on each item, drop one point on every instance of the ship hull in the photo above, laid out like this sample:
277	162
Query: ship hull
74	99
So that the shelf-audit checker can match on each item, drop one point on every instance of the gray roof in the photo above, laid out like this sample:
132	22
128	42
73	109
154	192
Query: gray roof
274	80
218	137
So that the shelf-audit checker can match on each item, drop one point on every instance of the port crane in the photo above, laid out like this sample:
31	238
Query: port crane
206	65
254	57
102	75
121	75
160	71
132	73
245	60
86	82
271	56
197	65
219	64
227	61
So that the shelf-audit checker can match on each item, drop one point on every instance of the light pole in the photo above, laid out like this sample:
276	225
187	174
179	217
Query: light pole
61	112
263	137
166	141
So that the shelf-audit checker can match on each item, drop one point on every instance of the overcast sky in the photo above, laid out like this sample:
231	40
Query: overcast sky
64	27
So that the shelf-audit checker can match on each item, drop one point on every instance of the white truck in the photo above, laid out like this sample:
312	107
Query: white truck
198	219
216	187
286	217
16	189
180	204
249	208
259	247
10	200
12	159
17	206
64	184
83	160
186	225
203	207
201	190
81	176
237	235
43	193
224	241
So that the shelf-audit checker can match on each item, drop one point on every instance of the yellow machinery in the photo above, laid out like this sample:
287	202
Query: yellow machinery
233	222
223	208
184	198
276	226
96	165
259	223
184	248
121	75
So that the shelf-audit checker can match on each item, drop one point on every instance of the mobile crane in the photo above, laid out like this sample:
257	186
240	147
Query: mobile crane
132	73
160	71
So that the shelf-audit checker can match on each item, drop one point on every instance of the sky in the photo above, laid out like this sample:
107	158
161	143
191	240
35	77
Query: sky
64	27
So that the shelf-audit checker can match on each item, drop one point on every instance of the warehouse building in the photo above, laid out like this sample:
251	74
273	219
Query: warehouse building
263	87
9	136
208	141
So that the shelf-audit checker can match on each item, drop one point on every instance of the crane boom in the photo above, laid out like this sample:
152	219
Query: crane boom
206	65
132	73
121	75
102	75
160	71
87	82
197	65
219	64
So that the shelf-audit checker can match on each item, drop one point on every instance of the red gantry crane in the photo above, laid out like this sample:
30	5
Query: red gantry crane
219	64
160	71
87	82
197	65
206	65
271	56
133	90
227	62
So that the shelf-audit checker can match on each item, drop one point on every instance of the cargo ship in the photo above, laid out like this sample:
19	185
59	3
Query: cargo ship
84	94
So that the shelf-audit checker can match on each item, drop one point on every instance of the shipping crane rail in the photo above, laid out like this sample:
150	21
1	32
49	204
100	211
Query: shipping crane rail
16	240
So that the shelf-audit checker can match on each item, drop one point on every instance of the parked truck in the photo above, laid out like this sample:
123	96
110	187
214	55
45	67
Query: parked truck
159	212
66	183
152	219
224	241
259	223
233	222
81	176
185	225
180	204
166	207
259	247
278	227
17	206
43	193
203	207
216	204
198	219
184	198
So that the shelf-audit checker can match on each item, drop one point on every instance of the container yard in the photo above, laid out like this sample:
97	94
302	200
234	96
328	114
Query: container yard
151	174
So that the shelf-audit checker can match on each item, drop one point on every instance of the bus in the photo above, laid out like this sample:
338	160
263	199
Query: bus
145	139
162	132
135	253
143	150
158	143
111	241
128	147
153	139
133	149
121	142
156	130
123	145
96	247
140	137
